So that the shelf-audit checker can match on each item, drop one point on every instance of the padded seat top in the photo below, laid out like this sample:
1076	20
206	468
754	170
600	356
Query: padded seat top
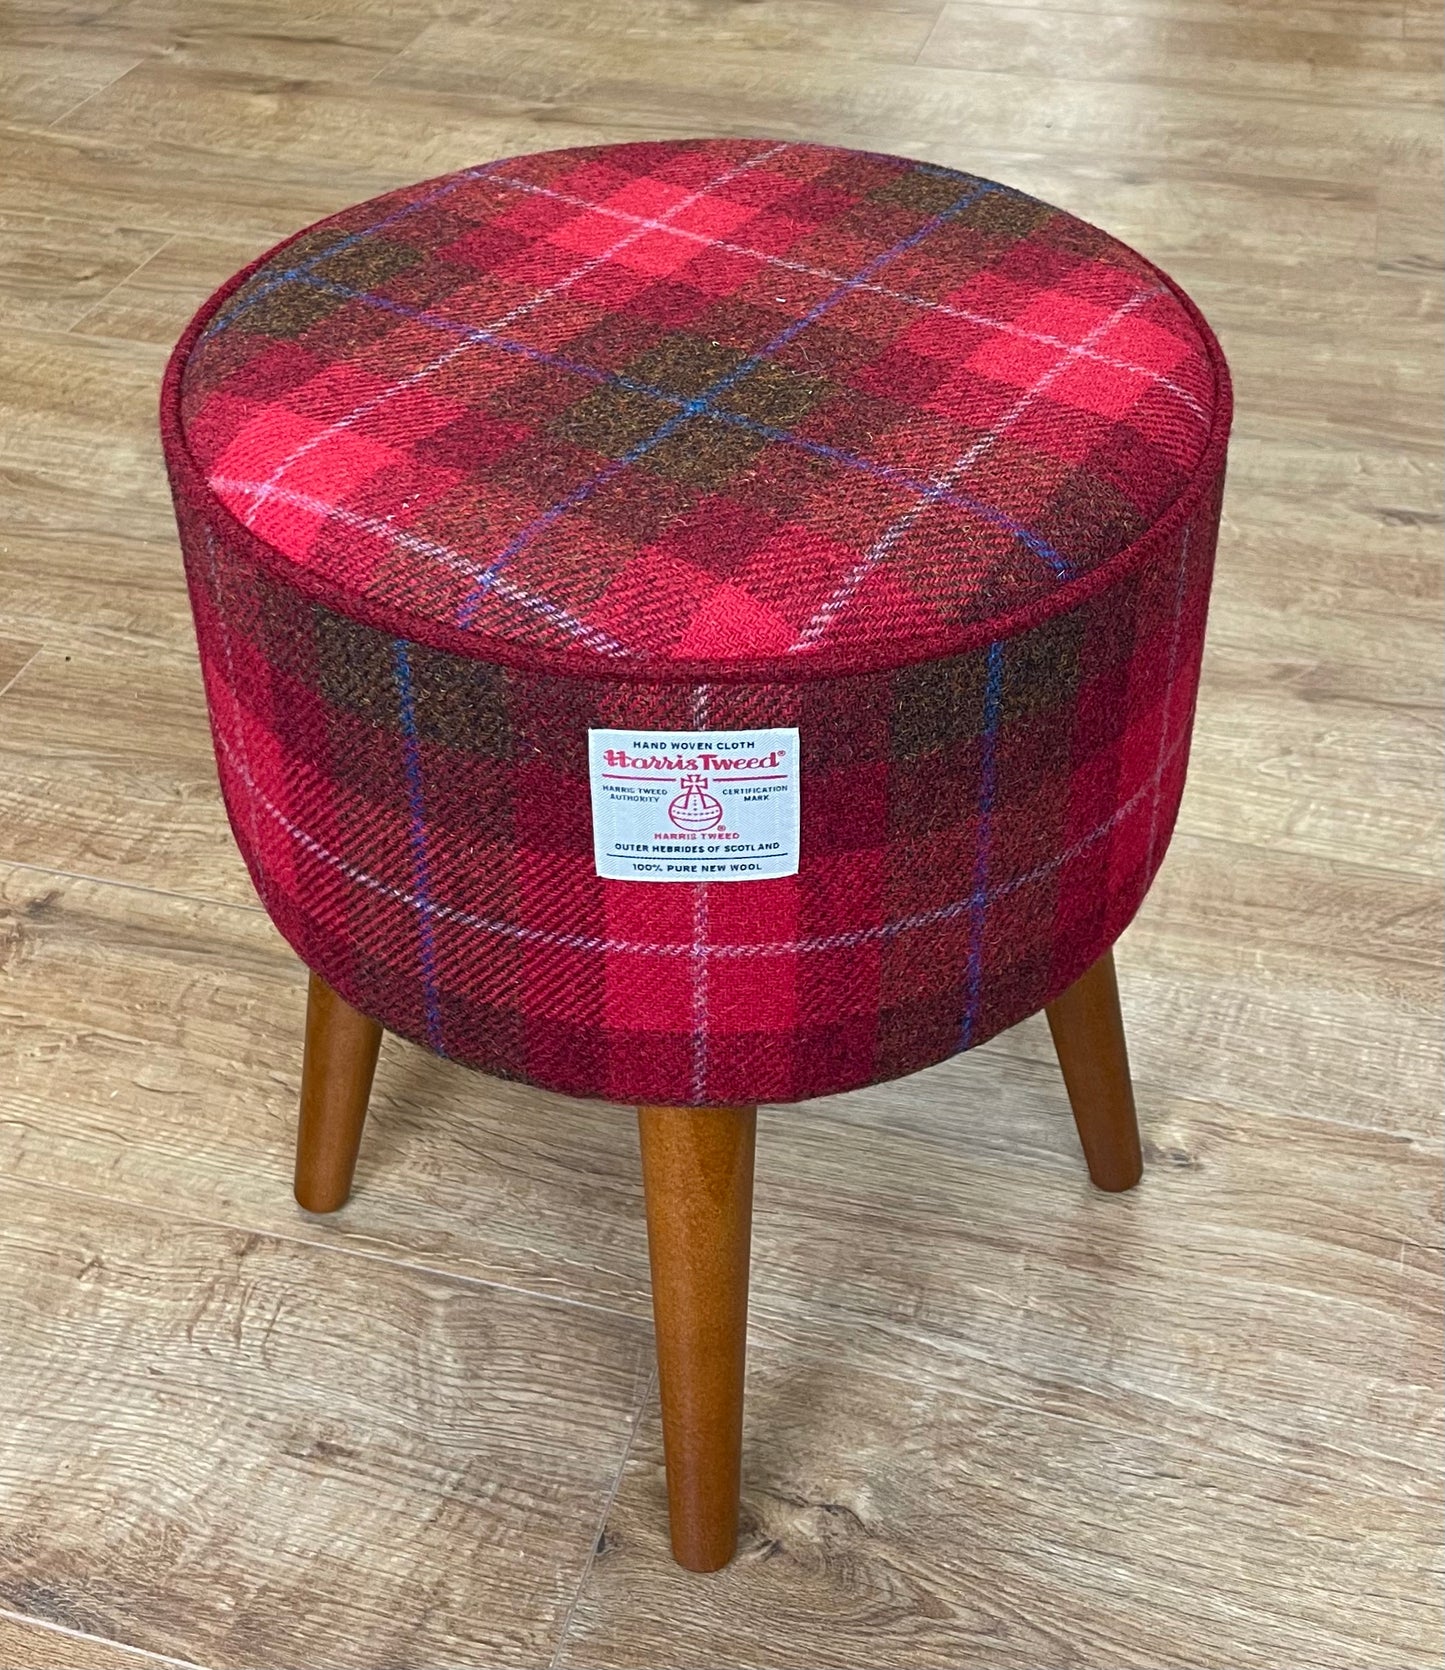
702	408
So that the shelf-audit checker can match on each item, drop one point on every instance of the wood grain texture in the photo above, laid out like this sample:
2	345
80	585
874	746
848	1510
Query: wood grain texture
995	1418
947	112
1352	17
294	1454
188	30
1412	227
891	1520
78	417
216	193
14	658
106	769
1217	1002
1267	1292
59	557
1424	20
41	83
1334	780
154	303
25	1645
198	112
1268	50
124	1012
891	32
52	273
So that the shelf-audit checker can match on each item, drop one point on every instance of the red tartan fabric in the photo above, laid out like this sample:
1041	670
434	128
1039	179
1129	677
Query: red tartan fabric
720	432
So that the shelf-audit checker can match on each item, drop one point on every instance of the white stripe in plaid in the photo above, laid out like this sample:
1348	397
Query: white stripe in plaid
694	948
263	491
593	636
847	588
948	309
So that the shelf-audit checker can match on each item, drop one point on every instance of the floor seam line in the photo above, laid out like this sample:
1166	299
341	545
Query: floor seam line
322	1246
130	886
29	662
644	1403
101	1640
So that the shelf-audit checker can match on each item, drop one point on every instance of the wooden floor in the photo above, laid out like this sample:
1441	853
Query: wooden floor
996	1420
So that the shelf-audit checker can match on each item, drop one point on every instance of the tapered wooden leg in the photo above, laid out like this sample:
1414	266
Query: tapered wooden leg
336	1074
697	1169
1089	1037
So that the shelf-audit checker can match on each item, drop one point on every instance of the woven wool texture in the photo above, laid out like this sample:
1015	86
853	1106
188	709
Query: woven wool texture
720	433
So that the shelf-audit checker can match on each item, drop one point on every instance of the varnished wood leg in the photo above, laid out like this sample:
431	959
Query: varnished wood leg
336	1074
1089	1037
697	1169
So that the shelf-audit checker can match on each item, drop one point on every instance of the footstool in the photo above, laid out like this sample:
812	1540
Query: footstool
696	624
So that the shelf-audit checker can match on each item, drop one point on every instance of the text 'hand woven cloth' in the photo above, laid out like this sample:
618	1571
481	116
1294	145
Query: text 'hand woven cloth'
701	622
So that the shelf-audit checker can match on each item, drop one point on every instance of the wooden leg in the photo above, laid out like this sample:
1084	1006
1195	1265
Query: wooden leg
1089	1037
336	1074
697	1170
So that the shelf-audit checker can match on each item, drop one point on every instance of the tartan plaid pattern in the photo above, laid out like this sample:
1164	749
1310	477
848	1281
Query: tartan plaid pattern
946	502
701	401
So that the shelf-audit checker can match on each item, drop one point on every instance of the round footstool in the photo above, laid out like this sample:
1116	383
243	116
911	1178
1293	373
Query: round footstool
696	624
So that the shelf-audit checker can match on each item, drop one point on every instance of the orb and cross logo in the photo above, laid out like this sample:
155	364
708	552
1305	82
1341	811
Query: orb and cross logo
695	810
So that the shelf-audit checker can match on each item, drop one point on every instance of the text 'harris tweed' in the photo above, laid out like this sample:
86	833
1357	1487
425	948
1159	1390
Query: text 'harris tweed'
712	434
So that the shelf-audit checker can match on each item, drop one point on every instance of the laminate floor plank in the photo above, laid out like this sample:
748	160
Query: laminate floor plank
1351	17
31	1646
156	301
78	416
436	111
253	122
893	32
209	192
1411	229
1043	113
59	558
106	769
52	272
893	1521
1331	778
340	42
1267	52
14	658
41	84
1424	20
244	1451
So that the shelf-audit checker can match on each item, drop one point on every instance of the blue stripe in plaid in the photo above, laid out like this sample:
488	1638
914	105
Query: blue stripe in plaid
687	948
988	785
632	385
929	490
700	404
937	172
228	317
411	755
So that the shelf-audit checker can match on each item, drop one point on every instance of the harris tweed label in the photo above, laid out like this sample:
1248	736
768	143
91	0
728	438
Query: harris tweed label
694	805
